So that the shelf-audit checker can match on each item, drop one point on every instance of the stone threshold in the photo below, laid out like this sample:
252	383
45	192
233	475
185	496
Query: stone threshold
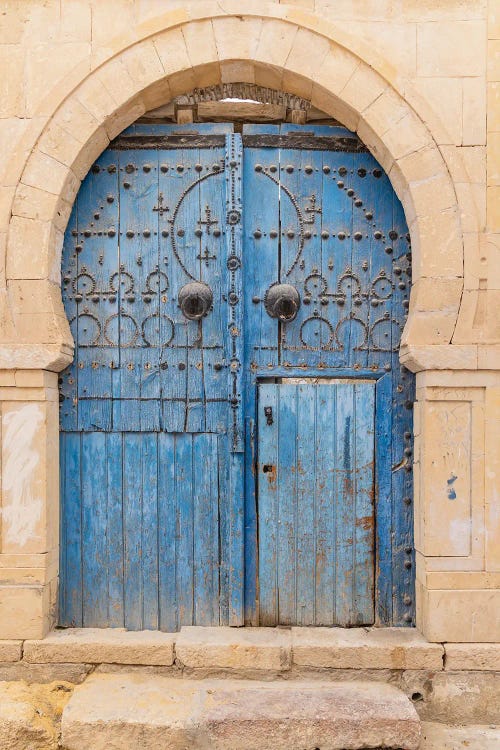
269	649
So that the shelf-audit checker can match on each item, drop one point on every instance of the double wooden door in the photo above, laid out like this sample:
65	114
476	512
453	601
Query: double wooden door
235	426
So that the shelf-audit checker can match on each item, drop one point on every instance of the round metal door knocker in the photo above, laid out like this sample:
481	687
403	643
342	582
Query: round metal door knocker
282	301
195	300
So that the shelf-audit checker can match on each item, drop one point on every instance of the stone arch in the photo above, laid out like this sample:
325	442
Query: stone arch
176	55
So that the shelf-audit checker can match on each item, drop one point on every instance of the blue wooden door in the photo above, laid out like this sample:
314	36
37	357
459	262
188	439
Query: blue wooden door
321	217
183	245
150	429
316	502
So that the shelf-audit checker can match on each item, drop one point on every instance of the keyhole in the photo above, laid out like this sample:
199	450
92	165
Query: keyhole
268	468
194	306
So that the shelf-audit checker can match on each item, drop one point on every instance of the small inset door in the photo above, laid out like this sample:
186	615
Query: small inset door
316	502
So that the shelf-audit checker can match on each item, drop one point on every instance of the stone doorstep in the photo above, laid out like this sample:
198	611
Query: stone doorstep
130	710
271	649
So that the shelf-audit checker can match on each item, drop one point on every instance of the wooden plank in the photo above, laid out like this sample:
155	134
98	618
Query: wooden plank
185	544
168	533
132	528
287	477
246	111
94	521
326	474
305	512
269	464
114	530
364	515
206	522
149	531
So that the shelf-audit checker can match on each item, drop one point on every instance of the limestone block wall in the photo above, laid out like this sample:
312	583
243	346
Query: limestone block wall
419	80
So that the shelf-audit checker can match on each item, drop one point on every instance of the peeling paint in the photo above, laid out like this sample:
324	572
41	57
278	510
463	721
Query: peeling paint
22	511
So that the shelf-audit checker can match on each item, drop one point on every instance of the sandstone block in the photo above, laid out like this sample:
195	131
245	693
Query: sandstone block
474	112
234	648
10	650
437	736
172	51
360	648
472	656
111	711
461	616
454	697
21	726
106	645
437	45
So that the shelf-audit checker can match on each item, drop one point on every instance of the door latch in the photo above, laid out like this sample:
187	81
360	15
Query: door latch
268	413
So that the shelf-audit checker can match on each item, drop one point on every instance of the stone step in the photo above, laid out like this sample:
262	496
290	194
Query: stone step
142	711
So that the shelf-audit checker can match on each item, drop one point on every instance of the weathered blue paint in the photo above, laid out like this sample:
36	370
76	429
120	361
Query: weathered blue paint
161	434
338	235
151	414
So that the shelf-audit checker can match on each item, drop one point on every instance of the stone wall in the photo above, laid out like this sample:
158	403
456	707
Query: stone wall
419	81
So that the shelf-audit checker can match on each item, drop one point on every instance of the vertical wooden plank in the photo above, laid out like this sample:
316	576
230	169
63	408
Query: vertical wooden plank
326	470
206	522
383	460
132	528
345	504
269	474
287	505
260	269
114	566
94	529
168	533
305	523
71	586
185	545
364	523
149	526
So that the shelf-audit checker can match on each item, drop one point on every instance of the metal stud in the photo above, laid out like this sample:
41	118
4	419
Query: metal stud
369	215
308	169
377	235
362	172
182	366
126	185
180	168
324	234
112	168
129	168
341	235
163	168
257	234
258	167
377	173
111	232
340	184
358	236
273	234
289	168
358	203
164	233
393	234
388	250
342	171
198	167
147	233
326	169
130	233
290	234
350	192
96	169
110	198
198	232
273	168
